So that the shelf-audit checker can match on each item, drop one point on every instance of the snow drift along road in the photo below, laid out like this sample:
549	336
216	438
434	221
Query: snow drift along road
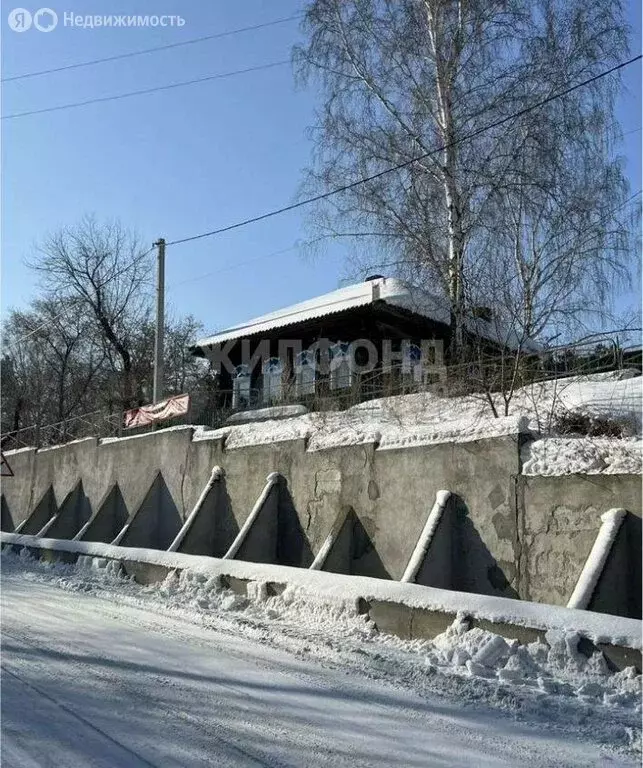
98	671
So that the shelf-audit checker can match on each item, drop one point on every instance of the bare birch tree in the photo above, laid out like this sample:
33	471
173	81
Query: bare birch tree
407	79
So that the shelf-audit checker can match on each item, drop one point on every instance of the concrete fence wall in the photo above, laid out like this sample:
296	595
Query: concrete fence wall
508	535
560	519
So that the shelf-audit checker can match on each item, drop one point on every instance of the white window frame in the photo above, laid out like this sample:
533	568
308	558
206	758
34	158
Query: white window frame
341	368
305	373
412	362
241	387
273	385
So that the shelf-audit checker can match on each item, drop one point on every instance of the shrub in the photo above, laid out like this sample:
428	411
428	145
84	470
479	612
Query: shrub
580	423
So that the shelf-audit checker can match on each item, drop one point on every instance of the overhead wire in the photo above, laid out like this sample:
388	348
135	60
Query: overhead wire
350	185
406	163
144	91
154	49
403	262
246	262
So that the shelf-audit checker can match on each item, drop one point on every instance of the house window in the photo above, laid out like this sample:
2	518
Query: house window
305	373
272	380
341	372
412	362
241	387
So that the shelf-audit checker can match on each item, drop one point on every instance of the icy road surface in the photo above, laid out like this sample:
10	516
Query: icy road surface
89	681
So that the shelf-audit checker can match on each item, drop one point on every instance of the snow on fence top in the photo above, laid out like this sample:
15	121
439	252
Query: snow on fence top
427	418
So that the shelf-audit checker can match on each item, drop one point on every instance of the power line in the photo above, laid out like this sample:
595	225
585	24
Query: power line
230	267
406	163
253	260
135	261
351	185
102	99
117	57
39	328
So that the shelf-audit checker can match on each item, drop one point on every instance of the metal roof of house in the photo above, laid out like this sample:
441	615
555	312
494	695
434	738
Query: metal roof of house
389	290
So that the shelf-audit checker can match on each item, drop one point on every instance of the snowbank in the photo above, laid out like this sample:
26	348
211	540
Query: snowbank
597	627
262	414
551	680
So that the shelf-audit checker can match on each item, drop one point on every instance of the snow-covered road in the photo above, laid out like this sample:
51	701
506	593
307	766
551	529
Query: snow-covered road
89	681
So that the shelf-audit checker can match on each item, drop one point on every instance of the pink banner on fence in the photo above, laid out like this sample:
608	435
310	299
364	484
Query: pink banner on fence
150	414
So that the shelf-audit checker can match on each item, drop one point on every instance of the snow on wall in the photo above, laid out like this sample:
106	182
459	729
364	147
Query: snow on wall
176	428
215	477
427	418
593	568
424	542
272	480
264	414
587	455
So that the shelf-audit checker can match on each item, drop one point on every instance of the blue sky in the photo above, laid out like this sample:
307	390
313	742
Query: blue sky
182	161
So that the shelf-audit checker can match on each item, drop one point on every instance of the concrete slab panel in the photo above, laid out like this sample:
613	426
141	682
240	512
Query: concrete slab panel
511	631
19	491
425	625
44	511
439	563
392	618
618	591
238	586
211	527
108	519
7	520
155	523
258	542
72	515
560	521
338	548
293	546
145	573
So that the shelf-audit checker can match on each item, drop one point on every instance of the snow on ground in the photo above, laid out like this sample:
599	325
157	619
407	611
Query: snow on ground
427	418
286	680
341	589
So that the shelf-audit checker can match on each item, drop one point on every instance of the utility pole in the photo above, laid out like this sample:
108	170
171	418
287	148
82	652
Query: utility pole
160	320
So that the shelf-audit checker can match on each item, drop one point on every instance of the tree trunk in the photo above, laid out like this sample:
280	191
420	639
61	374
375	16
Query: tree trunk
444	70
